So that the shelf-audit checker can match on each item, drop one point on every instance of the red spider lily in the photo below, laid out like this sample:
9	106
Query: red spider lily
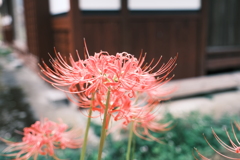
149	121
97	73
42	138
122	76
145	118
235	148
123	108
122	73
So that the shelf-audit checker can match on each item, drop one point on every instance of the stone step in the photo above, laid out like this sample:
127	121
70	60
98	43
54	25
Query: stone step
205	84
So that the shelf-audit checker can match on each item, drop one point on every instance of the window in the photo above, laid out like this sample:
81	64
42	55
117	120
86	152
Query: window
59	6
99	5
164	5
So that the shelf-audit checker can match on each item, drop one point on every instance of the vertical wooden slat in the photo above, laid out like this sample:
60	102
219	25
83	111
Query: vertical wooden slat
61	41
138	37
111	30
125	24
230	21
75	28
223	23
31	28
38	27
217	25
202	39
92	33
164	36
237	23
151	42
103	35
184	42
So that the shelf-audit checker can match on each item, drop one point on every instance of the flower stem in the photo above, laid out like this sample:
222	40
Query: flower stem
131	138
104	127
133	146
83	151
130	142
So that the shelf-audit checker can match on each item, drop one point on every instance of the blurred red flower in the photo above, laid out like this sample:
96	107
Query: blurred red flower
42	138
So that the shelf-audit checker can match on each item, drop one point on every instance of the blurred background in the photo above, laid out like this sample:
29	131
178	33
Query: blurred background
204	33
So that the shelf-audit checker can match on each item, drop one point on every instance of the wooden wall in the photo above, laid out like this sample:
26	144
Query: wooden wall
224	23
223	47
157	33
38	28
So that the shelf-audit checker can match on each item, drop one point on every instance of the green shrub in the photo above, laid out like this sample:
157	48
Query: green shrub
4	51
180	141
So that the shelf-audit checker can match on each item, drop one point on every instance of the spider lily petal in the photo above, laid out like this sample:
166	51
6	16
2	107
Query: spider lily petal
235	148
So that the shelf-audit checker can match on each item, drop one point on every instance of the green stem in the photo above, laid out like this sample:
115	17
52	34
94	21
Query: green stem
133	146
103	133
131	138
83	151
130	141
